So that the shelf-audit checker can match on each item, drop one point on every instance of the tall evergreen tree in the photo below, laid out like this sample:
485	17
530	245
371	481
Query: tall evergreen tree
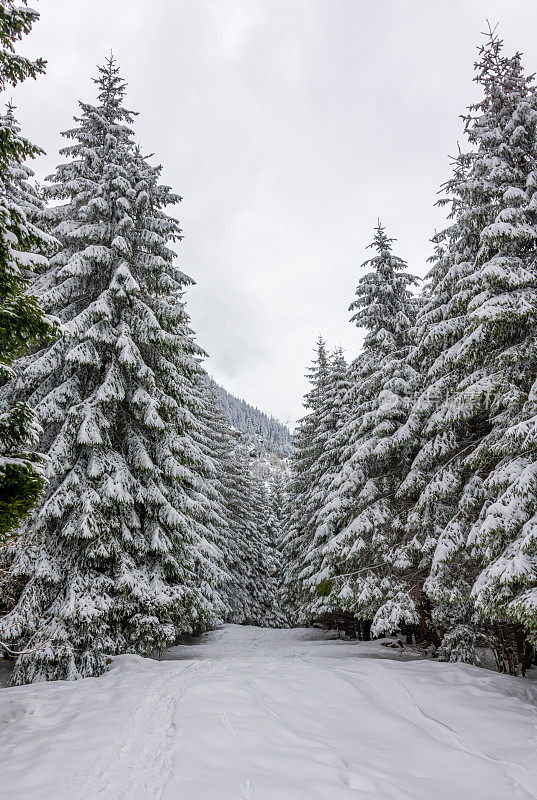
358	516
475	349
233	486
277	515
266	561
299	528
332	415
502	540
278	498
23	248
120	556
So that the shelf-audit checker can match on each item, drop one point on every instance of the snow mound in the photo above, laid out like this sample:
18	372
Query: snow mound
129	663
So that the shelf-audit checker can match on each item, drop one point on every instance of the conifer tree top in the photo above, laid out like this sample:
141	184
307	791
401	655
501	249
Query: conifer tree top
383	303
111	91
499	75
317	372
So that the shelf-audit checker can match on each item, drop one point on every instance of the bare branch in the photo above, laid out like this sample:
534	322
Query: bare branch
358	571
32	649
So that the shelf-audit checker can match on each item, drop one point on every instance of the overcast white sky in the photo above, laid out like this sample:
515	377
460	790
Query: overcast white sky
289	127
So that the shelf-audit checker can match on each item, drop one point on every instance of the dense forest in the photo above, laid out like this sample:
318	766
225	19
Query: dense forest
413	498
129	509
261	433
149	521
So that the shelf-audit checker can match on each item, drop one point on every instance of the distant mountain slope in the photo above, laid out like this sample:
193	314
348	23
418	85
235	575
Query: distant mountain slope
260	432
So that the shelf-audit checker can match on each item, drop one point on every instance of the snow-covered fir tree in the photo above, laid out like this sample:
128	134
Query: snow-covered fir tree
357	518
267	566
419	508
278	513
299	528
503	537
23	248
231	484
477	353
332	414
278	498
121	554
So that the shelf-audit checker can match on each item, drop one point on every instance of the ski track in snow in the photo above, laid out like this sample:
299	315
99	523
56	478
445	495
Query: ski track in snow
139	763
402	702
245	713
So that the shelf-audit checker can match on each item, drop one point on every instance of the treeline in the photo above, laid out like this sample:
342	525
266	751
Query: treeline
149	522
413	499
261	434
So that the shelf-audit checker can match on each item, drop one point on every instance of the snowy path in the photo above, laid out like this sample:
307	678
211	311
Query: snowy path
253	714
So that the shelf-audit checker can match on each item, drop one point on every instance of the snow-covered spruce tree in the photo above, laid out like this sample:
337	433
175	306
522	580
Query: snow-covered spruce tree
278	498
266	572
277	514
119	556
227	493
231	483
280	511
299	529
329	445
504	536
358	517
23	246
476	350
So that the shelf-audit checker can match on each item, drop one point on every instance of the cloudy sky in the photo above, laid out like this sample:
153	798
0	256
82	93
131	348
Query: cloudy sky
289	127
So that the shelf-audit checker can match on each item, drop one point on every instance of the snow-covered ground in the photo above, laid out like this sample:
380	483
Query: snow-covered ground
253	714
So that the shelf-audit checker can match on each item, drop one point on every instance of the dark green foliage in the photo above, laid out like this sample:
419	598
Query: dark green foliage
22	249
15	22
325	587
